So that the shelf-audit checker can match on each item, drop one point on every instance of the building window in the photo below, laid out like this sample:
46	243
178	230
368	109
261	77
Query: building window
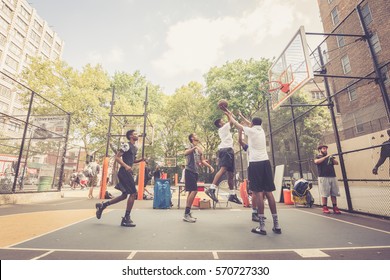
335	16
375	43
385	75
14	127
352	93
25	13
317	95
46	48
3	40
346	65
4	24
18	36
31	48
57	46
15	49
12	63
48	38
38	26
366	13
35	37
6	10
3	106
340	41
359	124
5	92
21	24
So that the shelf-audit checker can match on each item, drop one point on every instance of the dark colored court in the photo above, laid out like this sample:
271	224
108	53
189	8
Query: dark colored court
66	229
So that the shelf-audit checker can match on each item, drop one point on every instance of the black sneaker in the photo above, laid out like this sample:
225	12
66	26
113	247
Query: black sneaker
277	230
211	194
99	210
234	198
259	231
127	222
255	217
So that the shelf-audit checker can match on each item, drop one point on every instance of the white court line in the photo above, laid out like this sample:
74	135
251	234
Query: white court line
202	251
215	255
131	256
311	253
345	222
43	255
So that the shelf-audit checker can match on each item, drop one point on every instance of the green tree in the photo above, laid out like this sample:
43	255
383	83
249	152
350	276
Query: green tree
85	95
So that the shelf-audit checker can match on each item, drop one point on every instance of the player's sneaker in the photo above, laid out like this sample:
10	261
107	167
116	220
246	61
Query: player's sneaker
127	222
259	231
234	198
325	210
336	210
211	194
255	217
188	218
192	216
277	230
99	210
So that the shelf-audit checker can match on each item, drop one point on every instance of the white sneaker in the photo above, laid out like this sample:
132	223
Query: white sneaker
188	218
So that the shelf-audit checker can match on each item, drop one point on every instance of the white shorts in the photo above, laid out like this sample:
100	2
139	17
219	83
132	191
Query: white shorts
328	186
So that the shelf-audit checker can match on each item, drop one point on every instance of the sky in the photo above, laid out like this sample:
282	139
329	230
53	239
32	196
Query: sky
173	42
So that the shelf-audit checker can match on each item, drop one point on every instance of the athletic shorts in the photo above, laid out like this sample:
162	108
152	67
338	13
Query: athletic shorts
328	186
92	182
191	181
226	159
126	182
260	176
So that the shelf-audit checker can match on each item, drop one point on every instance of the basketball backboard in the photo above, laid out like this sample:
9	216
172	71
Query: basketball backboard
291	70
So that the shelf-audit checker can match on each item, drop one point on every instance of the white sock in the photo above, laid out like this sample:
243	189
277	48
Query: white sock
213	187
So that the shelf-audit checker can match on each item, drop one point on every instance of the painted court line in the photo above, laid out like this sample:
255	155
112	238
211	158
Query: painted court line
203	251
43	255
131	256
345	222
311	253
215	255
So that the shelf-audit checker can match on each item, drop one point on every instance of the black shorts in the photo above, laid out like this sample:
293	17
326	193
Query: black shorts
191	181
226	159
260	176
126	182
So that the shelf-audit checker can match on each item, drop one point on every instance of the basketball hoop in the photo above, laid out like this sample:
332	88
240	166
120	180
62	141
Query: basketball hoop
277	85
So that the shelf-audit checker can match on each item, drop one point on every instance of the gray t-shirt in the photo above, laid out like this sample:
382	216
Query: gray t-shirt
192	160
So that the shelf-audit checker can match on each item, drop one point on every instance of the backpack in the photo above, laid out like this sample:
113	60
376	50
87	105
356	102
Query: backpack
88	170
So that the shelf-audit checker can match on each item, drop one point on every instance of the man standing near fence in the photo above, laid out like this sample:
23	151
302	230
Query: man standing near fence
385	153
327	182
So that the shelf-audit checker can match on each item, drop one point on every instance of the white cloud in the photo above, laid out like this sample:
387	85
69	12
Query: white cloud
197	44
114	56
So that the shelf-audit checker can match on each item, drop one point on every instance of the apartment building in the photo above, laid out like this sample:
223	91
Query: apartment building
23	34
360	102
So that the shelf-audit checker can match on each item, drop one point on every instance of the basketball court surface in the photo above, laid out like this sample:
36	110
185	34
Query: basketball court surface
67	229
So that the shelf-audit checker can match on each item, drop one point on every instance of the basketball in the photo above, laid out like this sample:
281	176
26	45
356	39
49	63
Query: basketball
223	104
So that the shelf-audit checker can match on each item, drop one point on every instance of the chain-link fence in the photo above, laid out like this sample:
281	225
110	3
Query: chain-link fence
351	117
33	140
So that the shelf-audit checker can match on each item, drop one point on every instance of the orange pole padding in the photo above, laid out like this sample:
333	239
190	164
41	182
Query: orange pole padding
103	181
176	179
141	180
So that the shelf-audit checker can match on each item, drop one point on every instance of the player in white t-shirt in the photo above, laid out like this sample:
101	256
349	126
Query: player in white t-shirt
259	172
225	162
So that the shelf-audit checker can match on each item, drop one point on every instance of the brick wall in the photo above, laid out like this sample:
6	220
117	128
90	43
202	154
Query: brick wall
369	105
